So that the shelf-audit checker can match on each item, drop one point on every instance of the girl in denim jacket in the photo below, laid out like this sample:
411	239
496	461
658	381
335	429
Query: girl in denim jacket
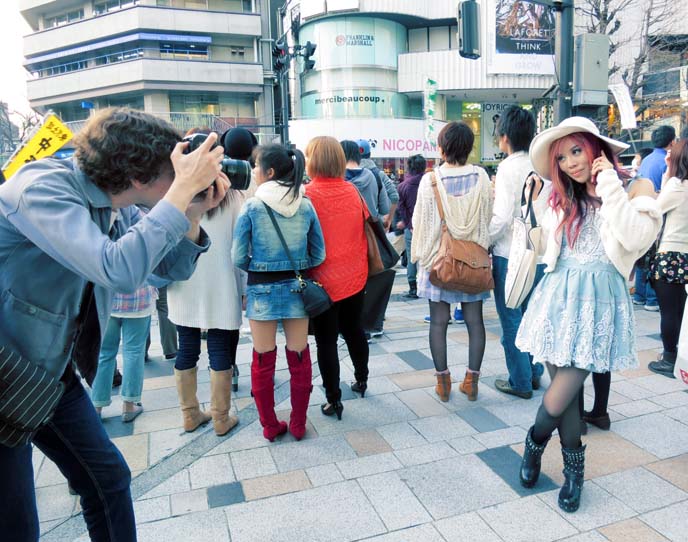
273	291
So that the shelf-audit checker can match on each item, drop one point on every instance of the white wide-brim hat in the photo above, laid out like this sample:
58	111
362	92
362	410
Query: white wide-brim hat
540	146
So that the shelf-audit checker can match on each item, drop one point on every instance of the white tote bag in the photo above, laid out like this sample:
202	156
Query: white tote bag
520	274
681	366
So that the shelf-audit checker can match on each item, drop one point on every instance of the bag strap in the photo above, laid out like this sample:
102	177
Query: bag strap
529	201
437	196
284	243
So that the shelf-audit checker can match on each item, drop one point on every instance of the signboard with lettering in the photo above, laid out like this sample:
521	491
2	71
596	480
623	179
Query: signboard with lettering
489	149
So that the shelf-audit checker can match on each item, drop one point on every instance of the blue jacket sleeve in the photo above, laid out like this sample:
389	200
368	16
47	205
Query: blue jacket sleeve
316	241
241	241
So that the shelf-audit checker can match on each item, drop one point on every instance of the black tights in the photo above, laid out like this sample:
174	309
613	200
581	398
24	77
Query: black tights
601	382
439	320
672	300
559	408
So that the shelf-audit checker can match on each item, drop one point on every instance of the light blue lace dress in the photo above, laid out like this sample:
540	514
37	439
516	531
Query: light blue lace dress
581	315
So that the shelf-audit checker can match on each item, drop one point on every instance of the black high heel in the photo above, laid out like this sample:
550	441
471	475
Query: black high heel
359	387
329	409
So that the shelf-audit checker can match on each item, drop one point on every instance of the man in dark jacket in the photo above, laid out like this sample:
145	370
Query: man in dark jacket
408	192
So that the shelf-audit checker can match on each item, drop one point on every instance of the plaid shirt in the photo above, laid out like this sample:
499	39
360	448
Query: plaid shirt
140	301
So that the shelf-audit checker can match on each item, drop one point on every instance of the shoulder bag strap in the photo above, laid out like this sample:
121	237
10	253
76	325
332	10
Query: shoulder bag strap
437	196
529	209
284	243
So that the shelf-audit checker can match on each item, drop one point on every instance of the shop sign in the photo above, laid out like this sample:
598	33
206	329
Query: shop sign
355	40
488	131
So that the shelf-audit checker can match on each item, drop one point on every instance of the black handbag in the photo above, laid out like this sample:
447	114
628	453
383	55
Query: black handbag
315	299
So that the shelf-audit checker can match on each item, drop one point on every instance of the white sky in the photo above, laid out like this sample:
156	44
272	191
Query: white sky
12	74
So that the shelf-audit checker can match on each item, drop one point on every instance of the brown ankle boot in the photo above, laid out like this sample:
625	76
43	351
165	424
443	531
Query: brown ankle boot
443	387
469	386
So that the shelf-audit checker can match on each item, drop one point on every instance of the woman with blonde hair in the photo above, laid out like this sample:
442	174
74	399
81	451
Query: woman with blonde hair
343	274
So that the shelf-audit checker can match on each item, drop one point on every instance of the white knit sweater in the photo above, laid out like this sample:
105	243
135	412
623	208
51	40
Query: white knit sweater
673	200
467	216
628	229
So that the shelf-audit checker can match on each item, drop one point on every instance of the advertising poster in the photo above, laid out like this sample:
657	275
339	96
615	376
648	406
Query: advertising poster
488	131
520	37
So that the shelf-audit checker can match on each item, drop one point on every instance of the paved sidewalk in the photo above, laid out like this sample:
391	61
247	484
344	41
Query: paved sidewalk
400	465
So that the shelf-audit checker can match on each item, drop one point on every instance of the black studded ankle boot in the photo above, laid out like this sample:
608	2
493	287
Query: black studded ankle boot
531	462
574	471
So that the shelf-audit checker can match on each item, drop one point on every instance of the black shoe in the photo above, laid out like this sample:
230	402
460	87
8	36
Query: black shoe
411	294
171	356
505	387
329	409
574	472
662	367
603	422
532	460
583	427
536	383
359	387
117	379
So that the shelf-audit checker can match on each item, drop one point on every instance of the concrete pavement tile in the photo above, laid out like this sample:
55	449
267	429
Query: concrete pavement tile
365	466
54	502
276	484
481	420
252	463
421	403
421	533
412	380
656	433
631	530
671	400
647	343
590	536
159	382
506	463
198	527
466	445
152	509
379	385
526	520
401	435
659	384
367	442
211	471
387	364
671	522
680	414
164	443
456	485
176	483
632	390
425	453
597	508
516	412
361	414
311	452
417	359
161	398
37	460
324	475
468	527
246	438
49	475
674	470
637	408
134	449
336	513
393	501
501	437
158	420
189	502
225	494
438	428
45	526
406	345
641	490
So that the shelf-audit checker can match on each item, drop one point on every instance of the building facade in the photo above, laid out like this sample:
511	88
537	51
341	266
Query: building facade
374	58
194	62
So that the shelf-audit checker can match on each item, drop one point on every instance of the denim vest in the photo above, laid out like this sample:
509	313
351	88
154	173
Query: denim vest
257	247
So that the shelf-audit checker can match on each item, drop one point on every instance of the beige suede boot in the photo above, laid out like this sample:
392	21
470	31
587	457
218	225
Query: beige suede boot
221	400
186	390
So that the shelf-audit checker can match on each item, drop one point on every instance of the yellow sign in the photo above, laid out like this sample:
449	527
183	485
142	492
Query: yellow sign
52	135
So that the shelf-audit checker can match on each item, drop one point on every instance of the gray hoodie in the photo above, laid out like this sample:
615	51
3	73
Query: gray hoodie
364	180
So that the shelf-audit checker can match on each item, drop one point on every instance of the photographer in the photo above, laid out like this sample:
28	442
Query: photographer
70	237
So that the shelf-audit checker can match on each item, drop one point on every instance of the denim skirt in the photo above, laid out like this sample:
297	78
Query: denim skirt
274	301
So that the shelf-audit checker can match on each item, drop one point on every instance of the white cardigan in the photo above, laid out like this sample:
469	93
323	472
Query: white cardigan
673	200
629	227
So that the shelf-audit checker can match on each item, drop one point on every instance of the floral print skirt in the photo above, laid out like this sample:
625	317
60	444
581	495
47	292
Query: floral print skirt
671	267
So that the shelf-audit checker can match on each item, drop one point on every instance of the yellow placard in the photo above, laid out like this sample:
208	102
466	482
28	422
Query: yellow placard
52	135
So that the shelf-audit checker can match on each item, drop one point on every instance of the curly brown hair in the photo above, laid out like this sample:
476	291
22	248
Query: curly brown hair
121	144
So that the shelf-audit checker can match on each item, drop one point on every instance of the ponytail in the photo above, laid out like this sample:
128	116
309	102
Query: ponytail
288	164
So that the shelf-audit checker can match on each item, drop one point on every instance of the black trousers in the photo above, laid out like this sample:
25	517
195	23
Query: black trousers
378	290
672	300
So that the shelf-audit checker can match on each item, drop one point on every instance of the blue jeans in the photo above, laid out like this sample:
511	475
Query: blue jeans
410	267
75	440
222	348
519	364
134	332
644	293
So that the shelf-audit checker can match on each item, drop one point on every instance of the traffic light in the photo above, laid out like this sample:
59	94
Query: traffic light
308	50
469	29
280	56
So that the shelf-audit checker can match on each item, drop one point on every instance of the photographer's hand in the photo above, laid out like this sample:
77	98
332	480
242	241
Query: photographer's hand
194	172
196	209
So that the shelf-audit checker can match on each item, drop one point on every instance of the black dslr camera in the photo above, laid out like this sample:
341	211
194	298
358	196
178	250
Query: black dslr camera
238	171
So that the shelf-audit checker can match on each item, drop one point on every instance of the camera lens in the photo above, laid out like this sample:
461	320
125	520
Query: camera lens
238	171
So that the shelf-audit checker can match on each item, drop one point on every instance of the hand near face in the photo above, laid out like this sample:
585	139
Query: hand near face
216	193
599	164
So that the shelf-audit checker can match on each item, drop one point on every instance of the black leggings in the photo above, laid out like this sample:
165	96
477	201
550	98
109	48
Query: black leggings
672	300
439	320
343	317
602	383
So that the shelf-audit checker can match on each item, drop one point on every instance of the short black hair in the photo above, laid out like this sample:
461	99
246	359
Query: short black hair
518	125
456	141
351	151
416	164
663	136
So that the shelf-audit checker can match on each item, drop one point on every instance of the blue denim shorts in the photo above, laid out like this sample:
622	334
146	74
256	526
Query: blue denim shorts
275	301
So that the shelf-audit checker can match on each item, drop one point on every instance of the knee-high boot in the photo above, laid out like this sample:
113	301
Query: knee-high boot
192	414
301	372
221	400
574	472
263	387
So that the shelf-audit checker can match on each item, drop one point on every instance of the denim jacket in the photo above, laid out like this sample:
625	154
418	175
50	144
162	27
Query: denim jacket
256	245
54	225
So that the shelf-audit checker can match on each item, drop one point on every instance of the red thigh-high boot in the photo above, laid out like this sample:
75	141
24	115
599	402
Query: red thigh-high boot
263	387
301	372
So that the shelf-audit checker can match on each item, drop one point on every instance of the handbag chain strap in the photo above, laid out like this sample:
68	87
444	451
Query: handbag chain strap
302	283
529	209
